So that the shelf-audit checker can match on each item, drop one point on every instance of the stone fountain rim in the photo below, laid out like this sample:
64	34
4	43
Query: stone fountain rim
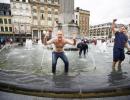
65	92
60	92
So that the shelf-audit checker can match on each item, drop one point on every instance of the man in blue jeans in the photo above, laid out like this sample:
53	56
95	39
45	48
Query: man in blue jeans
59	43
120	42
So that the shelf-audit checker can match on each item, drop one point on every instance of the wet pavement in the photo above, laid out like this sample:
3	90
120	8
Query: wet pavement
31	69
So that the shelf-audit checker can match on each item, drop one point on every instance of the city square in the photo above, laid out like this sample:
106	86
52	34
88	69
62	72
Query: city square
26	59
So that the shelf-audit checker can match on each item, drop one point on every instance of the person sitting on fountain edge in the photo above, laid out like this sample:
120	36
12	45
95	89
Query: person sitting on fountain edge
59	43
120	42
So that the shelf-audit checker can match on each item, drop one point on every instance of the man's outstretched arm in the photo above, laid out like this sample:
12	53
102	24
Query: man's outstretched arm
72	41
114	29
48	42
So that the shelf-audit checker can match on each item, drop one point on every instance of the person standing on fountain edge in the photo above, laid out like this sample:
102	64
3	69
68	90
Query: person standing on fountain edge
120	42
59	43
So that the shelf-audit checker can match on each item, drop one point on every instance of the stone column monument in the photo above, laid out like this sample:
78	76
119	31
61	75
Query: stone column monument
66	18
66	11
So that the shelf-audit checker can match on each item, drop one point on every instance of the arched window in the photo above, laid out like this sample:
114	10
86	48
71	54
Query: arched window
42	16
10	29
6	29
1	21
2	29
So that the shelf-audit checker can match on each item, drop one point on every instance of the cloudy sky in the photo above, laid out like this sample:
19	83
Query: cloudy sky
106	10
102	11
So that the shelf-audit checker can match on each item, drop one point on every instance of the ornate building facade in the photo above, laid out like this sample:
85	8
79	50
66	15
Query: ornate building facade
44	15
34	17
5	20
82	19
21	17
101	31
128	26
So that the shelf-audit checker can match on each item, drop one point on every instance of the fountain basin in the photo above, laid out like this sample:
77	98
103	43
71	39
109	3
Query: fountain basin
29	72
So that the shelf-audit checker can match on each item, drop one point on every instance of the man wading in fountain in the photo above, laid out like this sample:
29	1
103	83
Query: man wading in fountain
59	42
120	42
82	46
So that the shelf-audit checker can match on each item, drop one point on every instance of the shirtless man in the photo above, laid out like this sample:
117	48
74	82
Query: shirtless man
59	42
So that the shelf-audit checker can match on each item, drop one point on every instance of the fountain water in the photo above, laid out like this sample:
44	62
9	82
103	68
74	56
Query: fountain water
104	47
40	42
110	43
32	69
101	46
28	44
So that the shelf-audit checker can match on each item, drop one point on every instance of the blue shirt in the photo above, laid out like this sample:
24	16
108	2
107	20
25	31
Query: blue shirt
120	40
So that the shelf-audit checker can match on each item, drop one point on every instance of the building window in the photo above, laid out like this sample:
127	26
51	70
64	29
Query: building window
42	17
76	16
2	29
4	12
56	13
6	29
34	17
1	12
9	20
10	29
57	1
45	0
49	18
7	13
14	6
49	1
76	22
49	12
34	10
52	1
42	11
24	0
42	0
5	21
1	21
56	19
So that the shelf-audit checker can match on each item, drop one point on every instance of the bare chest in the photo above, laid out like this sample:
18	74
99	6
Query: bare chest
59	44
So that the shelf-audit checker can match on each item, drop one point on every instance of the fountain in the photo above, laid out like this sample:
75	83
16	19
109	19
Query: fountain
30	70
28	44
66	24
40	42
101	46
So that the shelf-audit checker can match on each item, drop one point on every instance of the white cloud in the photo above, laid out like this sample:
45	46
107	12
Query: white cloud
102	11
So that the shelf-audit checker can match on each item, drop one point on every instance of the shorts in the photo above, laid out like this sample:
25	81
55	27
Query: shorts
118	54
